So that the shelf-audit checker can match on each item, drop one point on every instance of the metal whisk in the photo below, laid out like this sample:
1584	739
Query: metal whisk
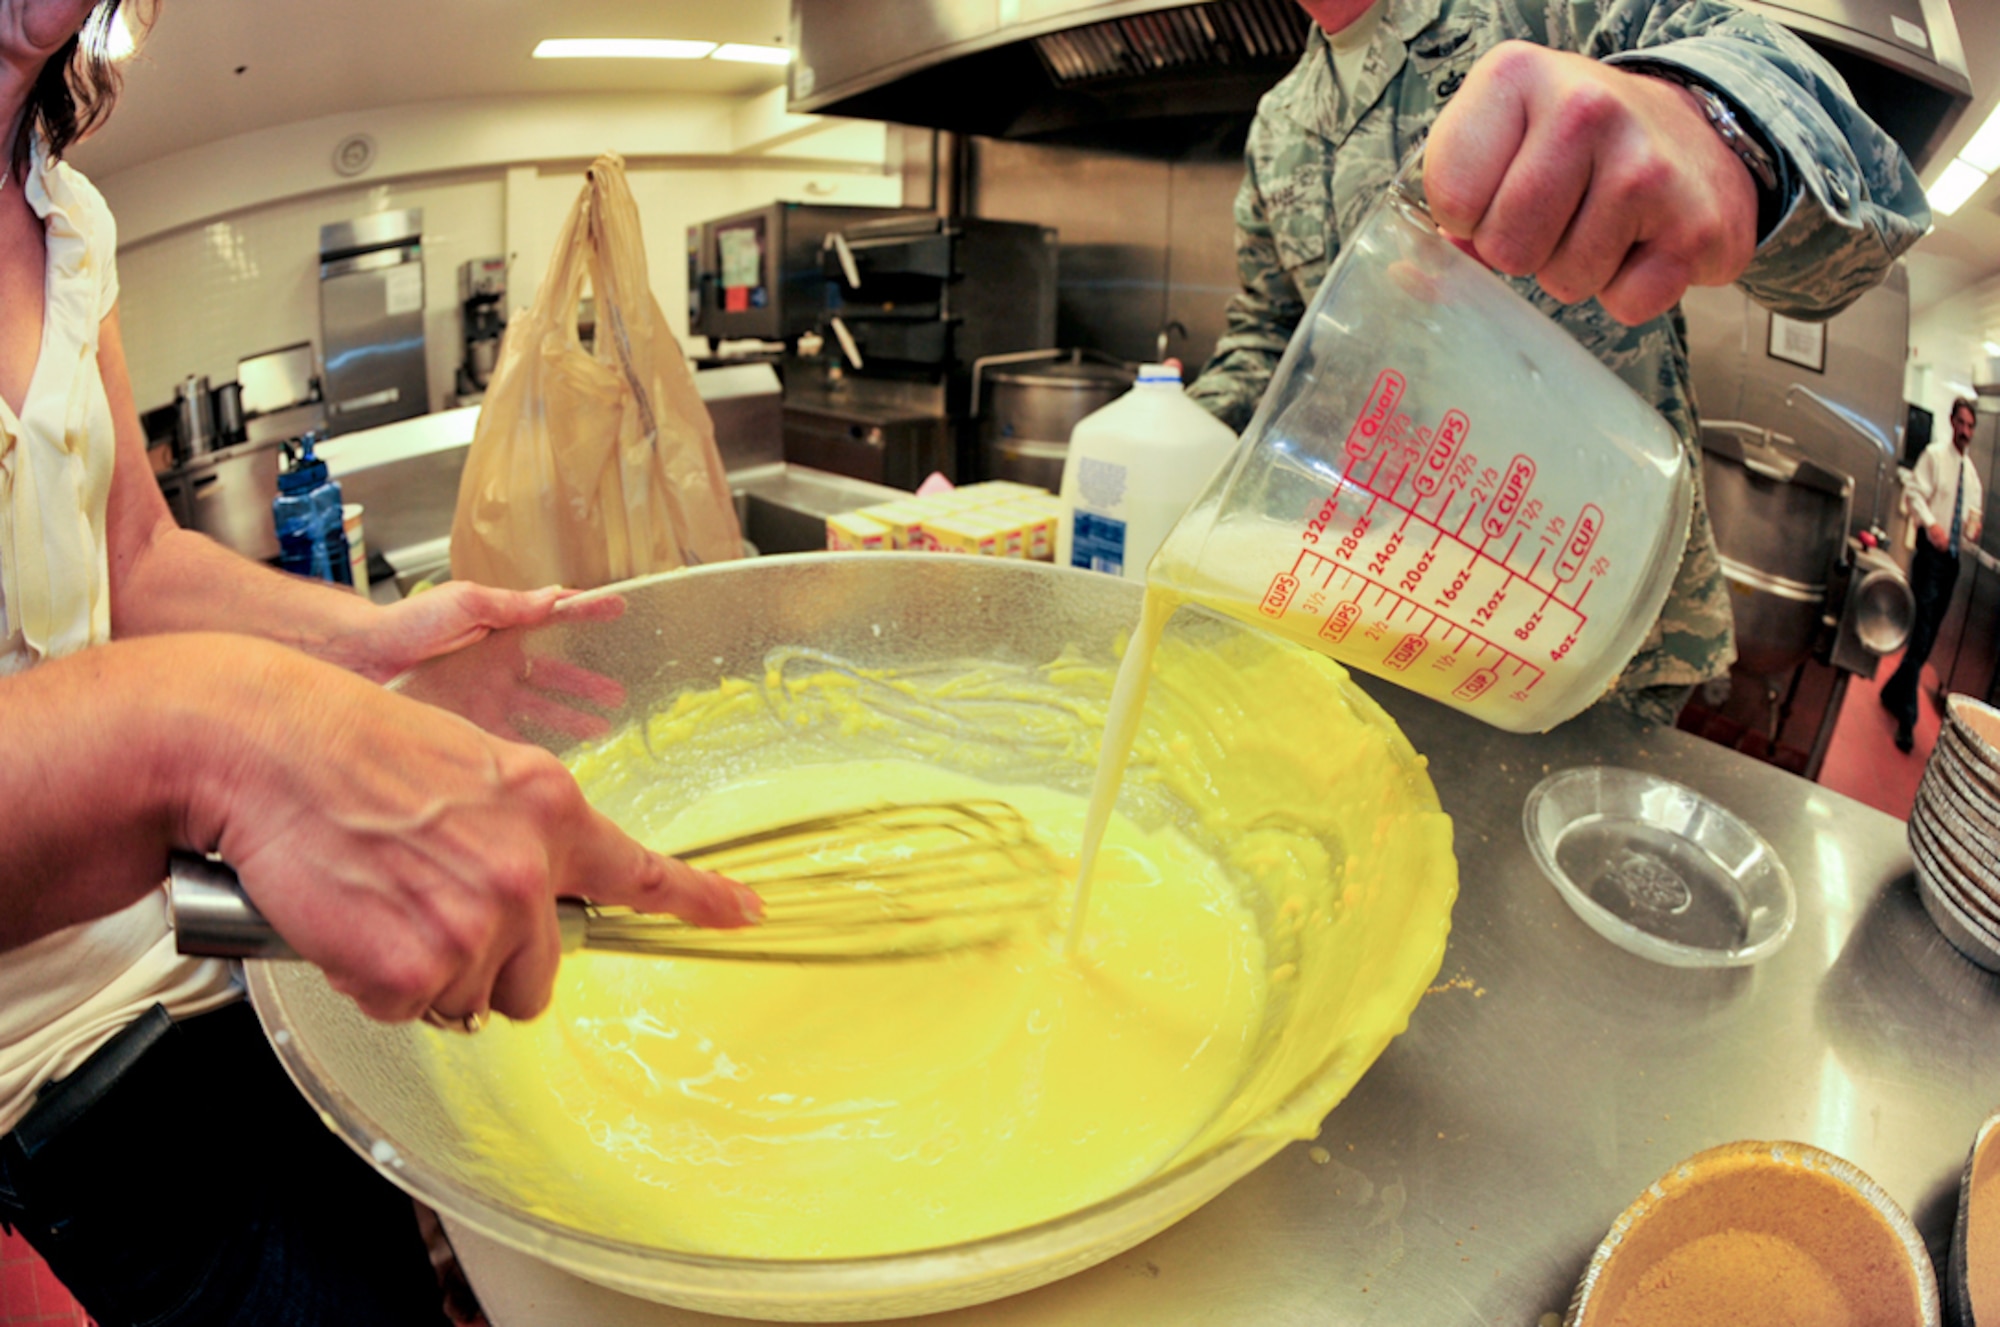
883	882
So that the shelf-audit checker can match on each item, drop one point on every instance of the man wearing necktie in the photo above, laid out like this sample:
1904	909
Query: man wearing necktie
1946	502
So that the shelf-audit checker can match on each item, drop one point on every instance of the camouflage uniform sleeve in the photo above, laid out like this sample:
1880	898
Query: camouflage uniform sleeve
1850	202
1260	319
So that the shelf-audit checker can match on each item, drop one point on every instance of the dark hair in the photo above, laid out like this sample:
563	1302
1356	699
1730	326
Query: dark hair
73	93
1965	403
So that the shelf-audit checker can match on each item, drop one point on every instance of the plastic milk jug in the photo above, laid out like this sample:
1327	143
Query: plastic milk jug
1133	468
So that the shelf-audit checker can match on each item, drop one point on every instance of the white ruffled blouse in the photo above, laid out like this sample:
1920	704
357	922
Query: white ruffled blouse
64	995
56	455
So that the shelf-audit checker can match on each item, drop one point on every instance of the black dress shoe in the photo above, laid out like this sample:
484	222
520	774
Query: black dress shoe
1905	739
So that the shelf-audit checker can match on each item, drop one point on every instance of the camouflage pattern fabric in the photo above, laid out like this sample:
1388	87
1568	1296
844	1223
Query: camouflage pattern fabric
1316	161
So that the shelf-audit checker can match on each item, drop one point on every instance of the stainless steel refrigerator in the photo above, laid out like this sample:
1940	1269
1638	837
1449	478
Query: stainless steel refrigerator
371	313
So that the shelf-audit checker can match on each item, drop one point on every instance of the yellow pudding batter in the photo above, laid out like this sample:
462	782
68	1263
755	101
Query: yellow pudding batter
796	1111
1268	903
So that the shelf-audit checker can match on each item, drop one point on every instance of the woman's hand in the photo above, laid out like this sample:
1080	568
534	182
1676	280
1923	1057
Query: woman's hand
410	855
443	620
1592	180
498	687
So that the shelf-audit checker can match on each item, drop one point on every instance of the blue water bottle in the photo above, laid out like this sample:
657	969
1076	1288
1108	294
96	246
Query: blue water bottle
311	540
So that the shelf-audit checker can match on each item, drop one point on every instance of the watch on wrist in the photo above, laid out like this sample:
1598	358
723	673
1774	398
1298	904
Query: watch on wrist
1739	139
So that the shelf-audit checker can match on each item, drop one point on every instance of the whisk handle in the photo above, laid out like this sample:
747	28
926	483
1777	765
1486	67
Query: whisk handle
214	918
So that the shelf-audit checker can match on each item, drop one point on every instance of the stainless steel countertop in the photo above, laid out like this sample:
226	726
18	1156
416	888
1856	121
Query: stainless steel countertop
1547	1080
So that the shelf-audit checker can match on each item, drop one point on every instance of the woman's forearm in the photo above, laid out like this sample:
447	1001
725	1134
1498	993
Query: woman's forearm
91	785
166	579
184	581
411	855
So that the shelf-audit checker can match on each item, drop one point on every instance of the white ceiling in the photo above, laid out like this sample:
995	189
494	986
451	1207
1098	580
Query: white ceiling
1965	247
212	69
215	68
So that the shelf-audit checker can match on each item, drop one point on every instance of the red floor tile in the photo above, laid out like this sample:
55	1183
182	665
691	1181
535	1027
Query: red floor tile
30	1295
1862	760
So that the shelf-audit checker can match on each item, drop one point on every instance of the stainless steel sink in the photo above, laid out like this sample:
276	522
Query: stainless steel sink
411	490
783	508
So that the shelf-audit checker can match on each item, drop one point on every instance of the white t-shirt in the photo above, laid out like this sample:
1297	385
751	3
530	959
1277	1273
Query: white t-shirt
1350	46
64	995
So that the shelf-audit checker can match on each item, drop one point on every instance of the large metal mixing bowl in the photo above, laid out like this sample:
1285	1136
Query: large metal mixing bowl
1359	955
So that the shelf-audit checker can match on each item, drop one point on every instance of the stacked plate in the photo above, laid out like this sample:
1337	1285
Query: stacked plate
1955	831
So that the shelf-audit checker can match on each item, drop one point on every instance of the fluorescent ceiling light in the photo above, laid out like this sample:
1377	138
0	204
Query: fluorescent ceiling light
1993	350
621	48
1960	181
1984	149
753	55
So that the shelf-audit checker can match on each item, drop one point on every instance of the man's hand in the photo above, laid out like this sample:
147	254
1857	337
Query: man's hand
1940	538
1592	180
412	856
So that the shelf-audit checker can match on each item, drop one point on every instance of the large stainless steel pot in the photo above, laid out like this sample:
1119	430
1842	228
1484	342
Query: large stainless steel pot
1353	973
1028	404
1780	523
194	418
229	428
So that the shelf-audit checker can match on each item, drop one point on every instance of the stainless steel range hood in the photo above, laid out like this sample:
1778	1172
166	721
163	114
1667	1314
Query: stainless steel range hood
1080	70
1039	68
1902	58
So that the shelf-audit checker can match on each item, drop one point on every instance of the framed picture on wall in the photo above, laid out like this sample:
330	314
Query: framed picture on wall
1798	342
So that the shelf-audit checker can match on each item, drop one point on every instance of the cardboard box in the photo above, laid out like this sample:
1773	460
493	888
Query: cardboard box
1038	526
905	519
854	532
967	532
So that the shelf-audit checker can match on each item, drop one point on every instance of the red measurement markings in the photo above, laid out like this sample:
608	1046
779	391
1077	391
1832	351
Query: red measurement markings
1450	436
1381	559
1341	621
1375	413
1408	650
1350	613
1506	505
1380	461
1481	682
1279	597
1582	537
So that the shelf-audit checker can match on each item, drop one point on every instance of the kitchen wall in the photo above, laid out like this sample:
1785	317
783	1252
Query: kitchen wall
1146	242
218	256
1947	348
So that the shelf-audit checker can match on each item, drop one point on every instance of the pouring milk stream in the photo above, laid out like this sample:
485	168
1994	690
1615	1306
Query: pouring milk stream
1441	487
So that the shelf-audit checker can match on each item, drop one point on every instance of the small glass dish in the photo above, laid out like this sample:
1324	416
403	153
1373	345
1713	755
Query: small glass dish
1658	869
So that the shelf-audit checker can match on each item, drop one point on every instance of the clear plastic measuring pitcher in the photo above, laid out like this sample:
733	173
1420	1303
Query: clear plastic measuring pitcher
1443	488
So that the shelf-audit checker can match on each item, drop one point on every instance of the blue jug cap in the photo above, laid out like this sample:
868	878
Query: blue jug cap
308	472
